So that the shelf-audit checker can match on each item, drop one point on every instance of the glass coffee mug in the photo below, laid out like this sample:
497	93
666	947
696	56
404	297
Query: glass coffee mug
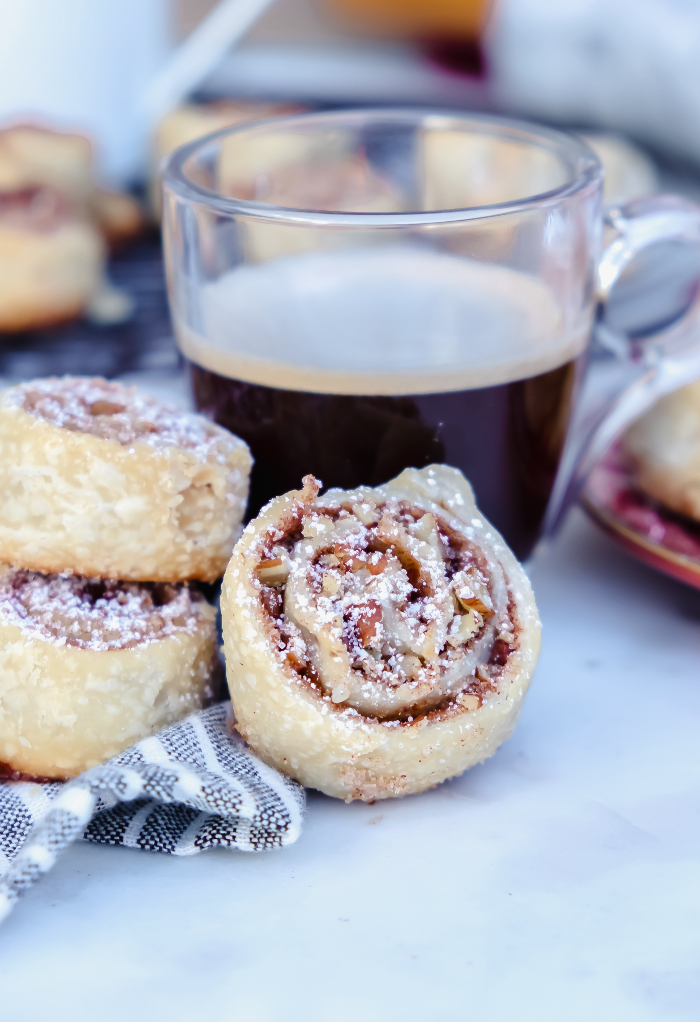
362	291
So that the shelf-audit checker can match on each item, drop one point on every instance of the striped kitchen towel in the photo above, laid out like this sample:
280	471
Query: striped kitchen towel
194	786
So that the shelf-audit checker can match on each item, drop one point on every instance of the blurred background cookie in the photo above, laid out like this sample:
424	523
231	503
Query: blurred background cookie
664	448
51	258
56	227
629	172
191	121
32	156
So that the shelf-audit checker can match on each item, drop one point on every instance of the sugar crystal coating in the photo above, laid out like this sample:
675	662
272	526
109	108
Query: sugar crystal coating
98	614
111	411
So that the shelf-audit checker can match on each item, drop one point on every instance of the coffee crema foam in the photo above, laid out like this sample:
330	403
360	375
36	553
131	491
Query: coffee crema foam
379	321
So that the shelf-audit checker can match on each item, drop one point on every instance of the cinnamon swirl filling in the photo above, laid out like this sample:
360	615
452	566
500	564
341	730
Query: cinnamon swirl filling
98	614
377	641
385	607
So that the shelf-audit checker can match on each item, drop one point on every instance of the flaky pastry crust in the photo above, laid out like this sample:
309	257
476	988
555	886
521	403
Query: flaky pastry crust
334	689
87	669
100	481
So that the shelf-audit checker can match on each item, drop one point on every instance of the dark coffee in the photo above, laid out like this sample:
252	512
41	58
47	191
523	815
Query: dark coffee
356	364
507	439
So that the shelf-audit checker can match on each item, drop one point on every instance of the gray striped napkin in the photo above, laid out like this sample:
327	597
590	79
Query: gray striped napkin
191	787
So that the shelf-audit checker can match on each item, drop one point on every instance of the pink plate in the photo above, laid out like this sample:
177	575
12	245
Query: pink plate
656	536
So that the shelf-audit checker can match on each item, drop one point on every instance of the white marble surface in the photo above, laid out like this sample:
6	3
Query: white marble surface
559	881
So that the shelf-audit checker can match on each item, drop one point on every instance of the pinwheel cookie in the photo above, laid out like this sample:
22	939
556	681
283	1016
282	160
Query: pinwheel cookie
377	641
664	449
51	259
98	480
89	667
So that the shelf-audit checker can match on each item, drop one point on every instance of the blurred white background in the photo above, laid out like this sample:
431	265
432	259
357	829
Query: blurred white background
629	65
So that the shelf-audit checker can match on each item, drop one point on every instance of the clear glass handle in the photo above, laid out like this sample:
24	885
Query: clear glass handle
640	224
627	375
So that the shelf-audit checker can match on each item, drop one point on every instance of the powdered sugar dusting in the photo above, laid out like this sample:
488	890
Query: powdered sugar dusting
98	614
385	607
111	411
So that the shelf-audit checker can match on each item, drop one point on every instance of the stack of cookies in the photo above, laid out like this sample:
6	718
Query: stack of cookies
112	506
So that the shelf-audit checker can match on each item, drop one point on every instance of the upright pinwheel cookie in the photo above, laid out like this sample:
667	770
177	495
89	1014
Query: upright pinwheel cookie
377	641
